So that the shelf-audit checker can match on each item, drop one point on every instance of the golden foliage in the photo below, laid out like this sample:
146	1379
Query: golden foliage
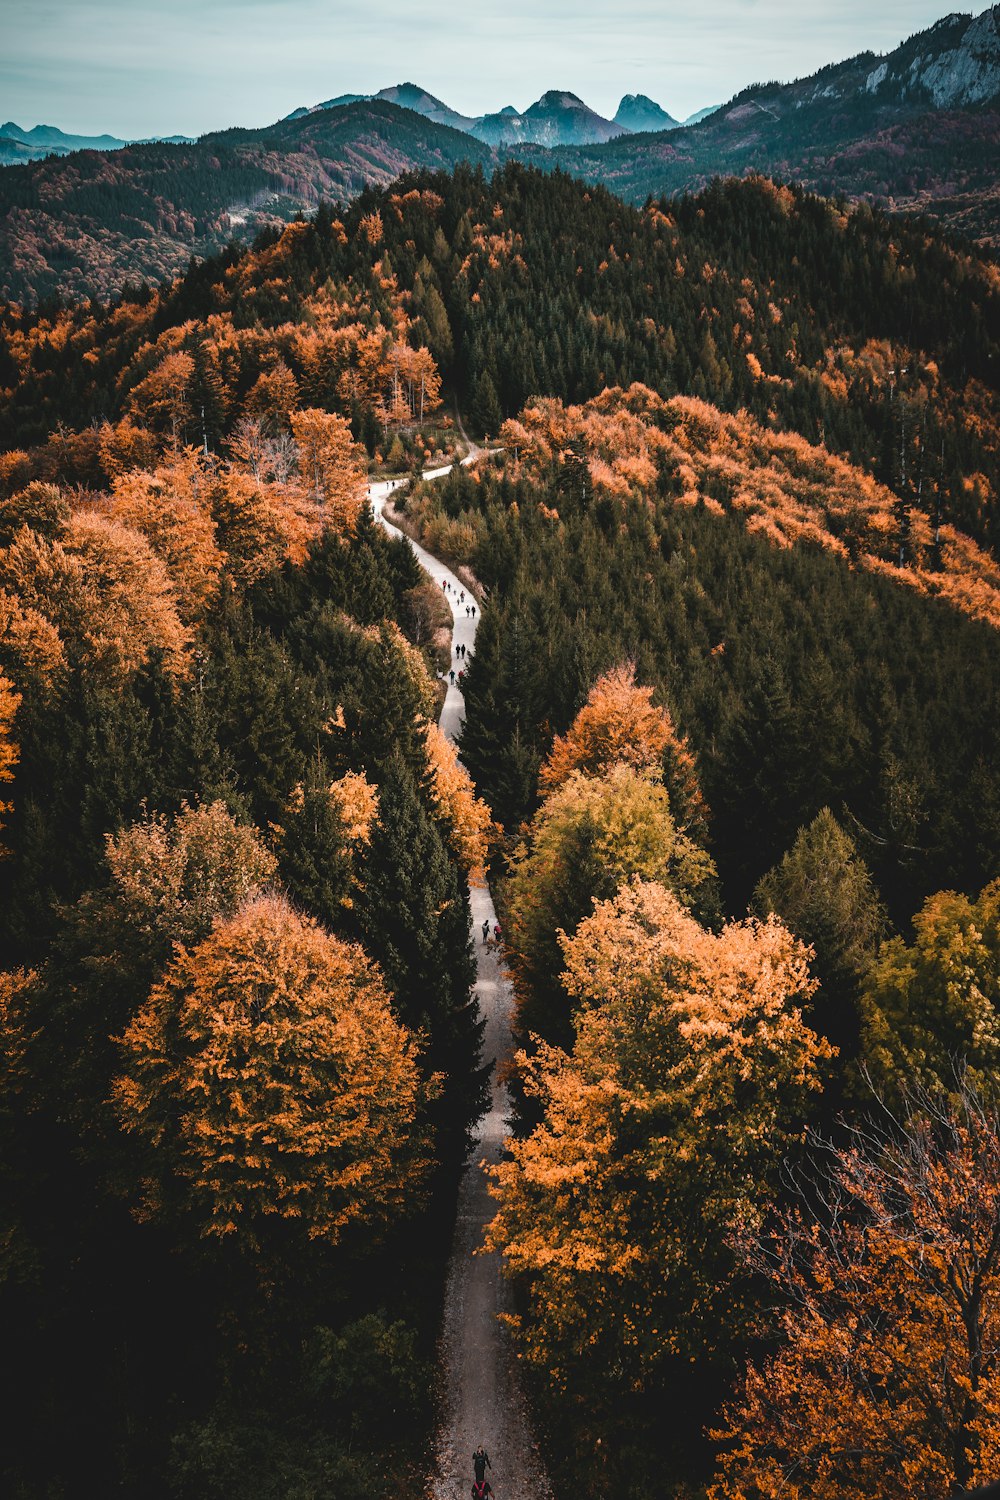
261	525
661	1132
356	801
103	589
30	645
619	724
784	487
10	702
332	467
172	878
590	836
270	1080
887	1381
468	820
164	506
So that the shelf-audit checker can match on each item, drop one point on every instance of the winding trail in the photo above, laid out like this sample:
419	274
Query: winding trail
484	1402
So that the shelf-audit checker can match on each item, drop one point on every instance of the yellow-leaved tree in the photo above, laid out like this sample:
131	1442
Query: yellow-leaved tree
332	467
467	819
590	836
619	723
662	1131
268	1079
887	1378
10	702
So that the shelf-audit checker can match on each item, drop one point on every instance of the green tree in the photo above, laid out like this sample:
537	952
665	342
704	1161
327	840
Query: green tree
413	916
932	1006
823	891
589	837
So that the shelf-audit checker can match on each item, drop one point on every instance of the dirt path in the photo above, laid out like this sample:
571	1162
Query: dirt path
483	1400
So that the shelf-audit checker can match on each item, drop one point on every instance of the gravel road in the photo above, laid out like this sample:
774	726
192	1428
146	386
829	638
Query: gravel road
484	1402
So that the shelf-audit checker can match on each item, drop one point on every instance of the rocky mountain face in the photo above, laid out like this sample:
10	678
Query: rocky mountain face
637	112
954	65
558	118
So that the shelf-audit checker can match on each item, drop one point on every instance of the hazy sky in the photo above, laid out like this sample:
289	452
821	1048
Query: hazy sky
138	67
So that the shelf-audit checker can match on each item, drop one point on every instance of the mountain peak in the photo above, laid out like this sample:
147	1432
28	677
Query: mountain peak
637	112
559	99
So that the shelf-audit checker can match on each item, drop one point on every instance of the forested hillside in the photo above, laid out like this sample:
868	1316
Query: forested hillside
102	221
728	757
238	1050
913	132
847	327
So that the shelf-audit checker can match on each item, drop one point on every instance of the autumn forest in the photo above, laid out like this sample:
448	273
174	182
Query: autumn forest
720	477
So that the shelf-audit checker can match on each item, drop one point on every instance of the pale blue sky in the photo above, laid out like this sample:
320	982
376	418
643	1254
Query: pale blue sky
139	67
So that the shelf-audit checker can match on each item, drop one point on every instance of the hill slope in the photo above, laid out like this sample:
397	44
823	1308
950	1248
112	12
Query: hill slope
916	130
90	224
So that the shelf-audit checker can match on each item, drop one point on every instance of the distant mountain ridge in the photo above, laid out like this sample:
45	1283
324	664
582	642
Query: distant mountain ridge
558	118
19	145
915	130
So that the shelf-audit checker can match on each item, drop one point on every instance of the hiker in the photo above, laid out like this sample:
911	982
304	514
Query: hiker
486	931
461	597
473	608
482	1490
480	1463
497	935
451	674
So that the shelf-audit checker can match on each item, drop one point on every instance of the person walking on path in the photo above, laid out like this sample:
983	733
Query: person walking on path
486	931
480	1463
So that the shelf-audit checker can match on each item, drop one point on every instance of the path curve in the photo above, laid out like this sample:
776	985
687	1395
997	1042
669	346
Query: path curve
484	1402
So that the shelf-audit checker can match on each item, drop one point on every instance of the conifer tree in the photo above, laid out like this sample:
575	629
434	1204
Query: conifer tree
414	918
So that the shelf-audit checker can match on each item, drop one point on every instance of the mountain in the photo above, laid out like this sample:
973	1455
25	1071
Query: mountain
637	112
409	96
701	114
92	224
406	96
917	130
18	145
558	118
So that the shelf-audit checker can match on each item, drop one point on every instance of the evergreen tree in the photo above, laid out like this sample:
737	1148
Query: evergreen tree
414	918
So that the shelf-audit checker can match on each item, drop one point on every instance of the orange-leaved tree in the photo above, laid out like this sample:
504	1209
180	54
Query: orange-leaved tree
103	588
332	467
168	506
620	722
590	836
887	1380
467	819
10	702
269	1080
661	1132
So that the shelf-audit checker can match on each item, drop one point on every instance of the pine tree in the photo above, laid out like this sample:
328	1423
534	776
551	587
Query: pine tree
414	918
